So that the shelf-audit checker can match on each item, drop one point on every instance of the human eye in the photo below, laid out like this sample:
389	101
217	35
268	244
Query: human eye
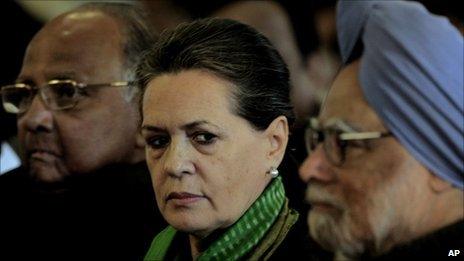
361	144
63	90
16	99
157	141
355	146
204	138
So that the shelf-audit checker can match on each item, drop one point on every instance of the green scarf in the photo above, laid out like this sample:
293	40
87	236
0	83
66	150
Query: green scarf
241	237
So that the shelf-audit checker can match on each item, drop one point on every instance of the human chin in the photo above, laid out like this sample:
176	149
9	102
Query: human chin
46	168
193	221
335	233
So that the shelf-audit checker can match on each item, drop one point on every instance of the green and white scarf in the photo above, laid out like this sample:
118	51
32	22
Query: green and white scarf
241	237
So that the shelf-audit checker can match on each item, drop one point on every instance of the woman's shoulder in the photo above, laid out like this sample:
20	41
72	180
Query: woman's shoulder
277	234
288	236
298	243
160	244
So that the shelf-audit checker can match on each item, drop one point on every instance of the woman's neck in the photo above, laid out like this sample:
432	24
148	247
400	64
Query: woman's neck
195	246
199	242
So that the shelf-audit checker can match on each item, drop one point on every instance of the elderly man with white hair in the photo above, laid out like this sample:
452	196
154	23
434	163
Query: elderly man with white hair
385	166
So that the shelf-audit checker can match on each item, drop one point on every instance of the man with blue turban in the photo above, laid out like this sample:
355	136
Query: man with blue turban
385	170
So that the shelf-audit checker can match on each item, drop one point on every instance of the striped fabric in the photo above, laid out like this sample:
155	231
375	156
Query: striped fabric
245	234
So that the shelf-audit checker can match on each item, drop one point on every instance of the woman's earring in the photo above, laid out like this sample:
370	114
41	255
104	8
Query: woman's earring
274	172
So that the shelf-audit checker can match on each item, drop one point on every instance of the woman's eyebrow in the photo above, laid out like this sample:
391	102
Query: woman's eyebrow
195	124
187	126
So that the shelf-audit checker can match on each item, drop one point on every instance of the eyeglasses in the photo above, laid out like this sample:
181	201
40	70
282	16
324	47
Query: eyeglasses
56	94
335	141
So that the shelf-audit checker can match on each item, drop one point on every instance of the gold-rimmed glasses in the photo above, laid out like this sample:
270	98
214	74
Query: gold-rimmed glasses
56	94
335	141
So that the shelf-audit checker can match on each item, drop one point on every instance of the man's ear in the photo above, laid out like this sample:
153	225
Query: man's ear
277	135
438	185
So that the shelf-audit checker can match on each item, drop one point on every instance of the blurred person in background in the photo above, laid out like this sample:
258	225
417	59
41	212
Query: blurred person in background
323	62
386	166
84	191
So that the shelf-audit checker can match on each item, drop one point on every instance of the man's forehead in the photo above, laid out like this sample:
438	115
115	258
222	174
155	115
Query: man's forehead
74	42
74	32
77	23
345	102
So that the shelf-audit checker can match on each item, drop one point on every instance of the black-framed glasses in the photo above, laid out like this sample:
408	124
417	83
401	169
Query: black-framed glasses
56	94
335	141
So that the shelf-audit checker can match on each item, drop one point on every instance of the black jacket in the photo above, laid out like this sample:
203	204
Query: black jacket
298	245
107	215
435	246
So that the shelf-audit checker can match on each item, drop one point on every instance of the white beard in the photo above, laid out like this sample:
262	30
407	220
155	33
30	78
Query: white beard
334	235
342	233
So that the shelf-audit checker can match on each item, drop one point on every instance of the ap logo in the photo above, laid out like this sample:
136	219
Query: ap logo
454	252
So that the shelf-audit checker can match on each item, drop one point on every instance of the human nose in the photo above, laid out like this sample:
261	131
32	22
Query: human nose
38	117
316	166
177	160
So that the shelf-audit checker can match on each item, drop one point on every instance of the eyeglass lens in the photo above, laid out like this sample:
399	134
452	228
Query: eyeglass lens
331	143
16	100
59	95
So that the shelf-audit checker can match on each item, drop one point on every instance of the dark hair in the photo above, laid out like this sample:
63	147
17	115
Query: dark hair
233	51
138	36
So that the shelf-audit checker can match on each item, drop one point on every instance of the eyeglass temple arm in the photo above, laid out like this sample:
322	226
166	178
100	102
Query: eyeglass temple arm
363	135
112	84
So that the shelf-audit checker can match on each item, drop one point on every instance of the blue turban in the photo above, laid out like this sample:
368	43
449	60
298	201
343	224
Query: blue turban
411	74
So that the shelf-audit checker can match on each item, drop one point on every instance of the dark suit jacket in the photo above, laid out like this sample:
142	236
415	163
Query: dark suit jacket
435	246
107	215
